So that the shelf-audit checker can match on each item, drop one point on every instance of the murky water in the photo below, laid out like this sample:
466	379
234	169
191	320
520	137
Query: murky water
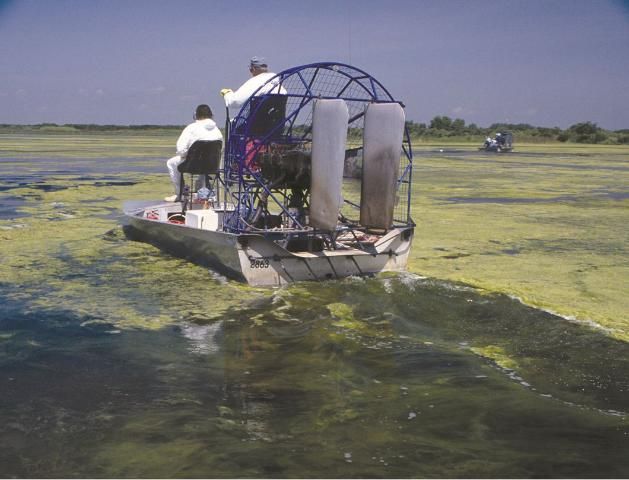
119	361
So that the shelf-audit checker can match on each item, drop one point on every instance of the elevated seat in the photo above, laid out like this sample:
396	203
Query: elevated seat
266	116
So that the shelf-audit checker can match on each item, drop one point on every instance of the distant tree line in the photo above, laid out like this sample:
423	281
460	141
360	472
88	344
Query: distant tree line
85	128
439	127
586	132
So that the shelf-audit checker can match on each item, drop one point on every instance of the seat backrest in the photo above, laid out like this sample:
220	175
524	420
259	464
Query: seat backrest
267	113
203	158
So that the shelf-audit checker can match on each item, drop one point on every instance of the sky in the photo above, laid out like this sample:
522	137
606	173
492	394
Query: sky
127	62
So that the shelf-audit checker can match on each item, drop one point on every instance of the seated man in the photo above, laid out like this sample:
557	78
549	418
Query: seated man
260	79
203	128
259	76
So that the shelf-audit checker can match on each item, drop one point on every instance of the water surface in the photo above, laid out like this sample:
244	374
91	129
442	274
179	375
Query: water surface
117	360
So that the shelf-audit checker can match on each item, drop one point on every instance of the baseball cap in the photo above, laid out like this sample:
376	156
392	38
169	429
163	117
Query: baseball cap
257	62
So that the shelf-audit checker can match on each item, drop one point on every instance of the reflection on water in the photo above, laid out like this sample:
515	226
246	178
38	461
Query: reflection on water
119	361
203	337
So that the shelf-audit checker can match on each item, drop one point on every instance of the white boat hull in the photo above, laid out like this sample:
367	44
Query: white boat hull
258	260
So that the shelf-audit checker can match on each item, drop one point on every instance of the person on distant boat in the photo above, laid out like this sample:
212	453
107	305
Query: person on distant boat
203	128
260	75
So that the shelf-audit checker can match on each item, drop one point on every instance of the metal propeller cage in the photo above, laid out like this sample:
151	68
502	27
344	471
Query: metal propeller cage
249	188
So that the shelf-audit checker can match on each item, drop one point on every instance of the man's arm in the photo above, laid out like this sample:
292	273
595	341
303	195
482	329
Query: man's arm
240	96
184	141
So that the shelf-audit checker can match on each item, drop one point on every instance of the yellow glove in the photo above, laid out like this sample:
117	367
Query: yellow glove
225	91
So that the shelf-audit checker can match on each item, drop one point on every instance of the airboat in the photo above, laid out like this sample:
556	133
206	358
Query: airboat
502	143
313	183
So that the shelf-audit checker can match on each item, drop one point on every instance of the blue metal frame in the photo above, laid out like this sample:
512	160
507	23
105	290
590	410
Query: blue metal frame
303	85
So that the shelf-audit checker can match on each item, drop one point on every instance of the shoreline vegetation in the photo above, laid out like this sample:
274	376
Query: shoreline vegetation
440	128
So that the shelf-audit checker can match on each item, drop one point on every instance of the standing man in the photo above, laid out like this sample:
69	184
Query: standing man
259	76
203	128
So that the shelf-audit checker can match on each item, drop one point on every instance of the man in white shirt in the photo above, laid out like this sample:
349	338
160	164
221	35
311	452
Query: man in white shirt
260	75
203	128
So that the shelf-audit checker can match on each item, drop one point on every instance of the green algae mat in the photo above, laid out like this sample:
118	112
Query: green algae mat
117	360
546	224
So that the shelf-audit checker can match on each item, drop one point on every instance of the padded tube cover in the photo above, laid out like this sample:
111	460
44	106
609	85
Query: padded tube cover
382	148
329	136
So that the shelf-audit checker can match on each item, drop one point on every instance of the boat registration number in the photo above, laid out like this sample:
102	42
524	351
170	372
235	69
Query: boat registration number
260	263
